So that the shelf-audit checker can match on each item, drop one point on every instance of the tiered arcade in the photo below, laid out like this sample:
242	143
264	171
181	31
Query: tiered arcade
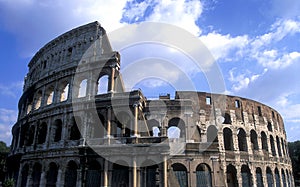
77	126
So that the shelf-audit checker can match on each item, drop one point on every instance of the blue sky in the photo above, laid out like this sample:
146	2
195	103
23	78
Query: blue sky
256	44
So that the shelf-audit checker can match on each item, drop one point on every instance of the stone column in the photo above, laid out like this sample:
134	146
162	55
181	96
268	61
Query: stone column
108	128
105	174
165	172
135	125
239	175
60	181
43	179
111	81
134	173
20	175
264	175
79	178
29	177
253	175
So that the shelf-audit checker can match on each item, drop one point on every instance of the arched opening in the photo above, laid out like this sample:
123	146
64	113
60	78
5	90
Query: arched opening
227	119
242	140
231	176
57	128
173	132
212	133
180	173
269	126
277	178
42	133
29	107
36	174
38	100
272	145
82	88
25	170
259	178
269	177
71	174
52	175
179	123
149	174
64	93
203	174
102	85
120	174
155	131
123	125
50	96
228	142
283	148
278	146
253	137
30	135
93	176
24	134
153	125
264	141
246	176
283	178
74	130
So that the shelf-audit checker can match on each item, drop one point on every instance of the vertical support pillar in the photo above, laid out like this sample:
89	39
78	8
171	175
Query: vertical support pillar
20	176
264	176
164	123
43	179
60	181
29	177
165	172
135	125
105	174
111	82
253	175
239	175
108	128
79	177
134	173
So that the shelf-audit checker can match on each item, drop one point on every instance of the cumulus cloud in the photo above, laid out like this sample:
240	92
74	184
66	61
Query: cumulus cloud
221	46
181	13
242	80
49	19
11	90
7	120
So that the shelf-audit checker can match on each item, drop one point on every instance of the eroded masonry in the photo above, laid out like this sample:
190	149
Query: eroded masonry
77	126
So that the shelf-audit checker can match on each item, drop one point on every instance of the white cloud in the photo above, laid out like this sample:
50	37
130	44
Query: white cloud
7	120
181	13
242	80
12	90
221	45
279	30
178	12
49	19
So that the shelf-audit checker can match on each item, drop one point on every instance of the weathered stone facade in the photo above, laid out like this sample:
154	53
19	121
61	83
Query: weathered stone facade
78	127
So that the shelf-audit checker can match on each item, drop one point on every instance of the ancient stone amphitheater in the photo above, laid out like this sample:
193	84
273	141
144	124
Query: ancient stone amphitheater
77	126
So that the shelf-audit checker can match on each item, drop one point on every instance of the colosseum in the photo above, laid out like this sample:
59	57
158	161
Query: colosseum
77	126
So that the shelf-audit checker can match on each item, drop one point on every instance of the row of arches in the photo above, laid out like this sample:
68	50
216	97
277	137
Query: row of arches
59	93
203	175
268	178
34	176
279	150
41	133
101	86
44	97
